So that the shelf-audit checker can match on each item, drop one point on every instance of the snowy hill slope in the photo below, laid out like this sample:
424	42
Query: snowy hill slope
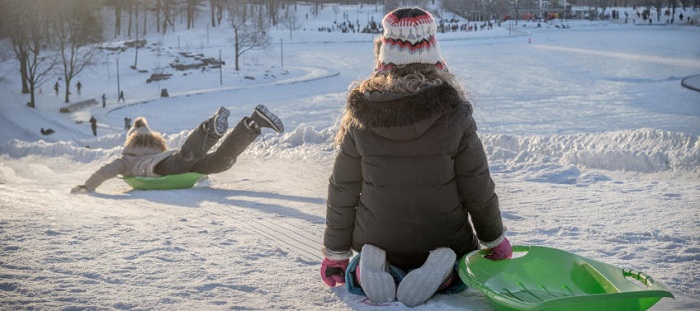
592	142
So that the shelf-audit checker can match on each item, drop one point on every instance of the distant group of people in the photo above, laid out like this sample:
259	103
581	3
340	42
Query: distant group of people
119	99
93	120
443	26
454	25
57	87
93	126
79	87
665	17
345	27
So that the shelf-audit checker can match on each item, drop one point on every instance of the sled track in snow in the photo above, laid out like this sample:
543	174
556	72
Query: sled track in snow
297	236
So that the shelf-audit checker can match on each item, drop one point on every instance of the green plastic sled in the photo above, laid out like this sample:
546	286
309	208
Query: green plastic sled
551	279
175	181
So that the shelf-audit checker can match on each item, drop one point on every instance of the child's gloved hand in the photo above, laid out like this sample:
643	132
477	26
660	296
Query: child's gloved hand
501	251
333	271
79	189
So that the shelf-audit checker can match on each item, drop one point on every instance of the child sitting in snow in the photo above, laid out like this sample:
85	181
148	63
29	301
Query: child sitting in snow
410	173
146	154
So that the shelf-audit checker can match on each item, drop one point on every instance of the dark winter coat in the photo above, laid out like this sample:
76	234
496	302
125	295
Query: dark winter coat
410	172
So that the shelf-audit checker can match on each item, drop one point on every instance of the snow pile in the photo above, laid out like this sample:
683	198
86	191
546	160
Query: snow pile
641	150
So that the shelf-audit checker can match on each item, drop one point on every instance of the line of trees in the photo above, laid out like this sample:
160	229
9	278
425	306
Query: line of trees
496	9
45	34
50	36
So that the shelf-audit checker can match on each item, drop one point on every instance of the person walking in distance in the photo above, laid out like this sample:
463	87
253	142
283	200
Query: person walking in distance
93	125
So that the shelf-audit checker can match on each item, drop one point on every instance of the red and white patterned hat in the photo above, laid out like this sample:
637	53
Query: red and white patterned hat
408	38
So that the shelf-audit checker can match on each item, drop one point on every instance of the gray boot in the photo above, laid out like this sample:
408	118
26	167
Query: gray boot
217	125
262	117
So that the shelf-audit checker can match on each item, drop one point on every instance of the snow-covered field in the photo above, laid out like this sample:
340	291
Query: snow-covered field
592	141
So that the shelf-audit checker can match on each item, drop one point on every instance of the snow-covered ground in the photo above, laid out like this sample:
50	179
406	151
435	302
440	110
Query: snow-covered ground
592	141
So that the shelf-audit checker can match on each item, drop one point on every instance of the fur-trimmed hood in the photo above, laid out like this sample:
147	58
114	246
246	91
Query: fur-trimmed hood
402	116
141	140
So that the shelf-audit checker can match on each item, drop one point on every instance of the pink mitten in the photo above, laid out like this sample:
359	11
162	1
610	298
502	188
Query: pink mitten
501	251
333	271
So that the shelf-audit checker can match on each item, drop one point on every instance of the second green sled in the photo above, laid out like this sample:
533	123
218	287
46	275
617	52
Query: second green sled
552	279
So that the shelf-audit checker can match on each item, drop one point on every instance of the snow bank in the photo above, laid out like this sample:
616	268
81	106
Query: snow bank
641	150
556	158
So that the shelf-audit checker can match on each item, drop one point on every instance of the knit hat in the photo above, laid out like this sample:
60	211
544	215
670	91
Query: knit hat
140	127
408	38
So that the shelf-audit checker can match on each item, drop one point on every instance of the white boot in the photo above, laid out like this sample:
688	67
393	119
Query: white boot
375	279
422	283
262	117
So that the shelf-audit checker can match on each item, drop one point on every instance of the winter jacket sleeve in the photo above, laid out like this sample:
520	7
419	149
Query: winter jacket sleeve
108	171
476	188
344	190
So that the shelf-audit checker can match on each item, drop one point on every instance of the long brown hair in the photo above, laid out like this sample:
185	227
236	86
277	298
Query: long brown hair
402	79
142	136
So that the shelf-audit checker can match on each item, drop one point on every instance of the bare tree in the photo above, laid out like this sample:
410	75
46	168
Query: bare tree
272	8
290	20
39	63
118	6
659	6
130	6
165	14
76	29
603	5
191	8
13	25
390	5
246	34
145	4
29	39
212	10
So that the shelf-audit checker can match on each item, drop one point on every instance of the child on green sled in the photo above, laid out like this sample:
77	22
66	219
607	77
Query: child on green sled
411	189
146	154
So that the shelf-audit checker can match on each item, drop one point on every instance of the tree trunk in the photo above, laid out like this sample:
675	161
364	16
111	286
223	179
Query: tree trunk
67	89
117	19
32	100
220	12
136	52
145	14
23	72
165	6
237	48
157	9
190	14
213	11
131	17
